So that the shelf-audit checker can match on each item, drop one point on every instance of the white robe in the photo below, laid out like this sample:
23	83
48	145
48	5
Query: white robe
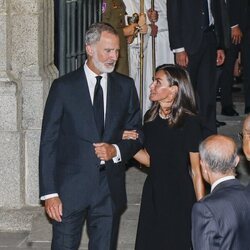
162	48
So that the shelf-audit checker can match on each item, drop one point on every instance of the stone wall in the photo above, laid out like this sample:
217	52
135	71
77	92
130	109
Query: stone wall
26	72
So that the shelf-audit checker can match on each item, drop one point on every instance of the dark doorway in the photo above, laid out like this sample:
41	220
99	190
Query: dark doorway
72	19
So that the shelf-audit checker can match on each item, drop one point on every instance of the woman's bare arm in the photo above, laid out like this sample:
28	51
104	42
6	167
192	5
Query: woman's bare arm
142	156
197	178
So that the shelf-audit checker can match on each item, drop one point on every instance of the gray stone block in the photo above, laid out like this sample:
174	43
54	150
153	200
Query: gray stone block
10	172
32	139
8	106
12	220
32	104
11	240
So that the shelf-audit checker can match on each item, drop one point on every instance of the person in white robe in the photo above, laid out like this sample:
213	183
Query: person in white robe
162	48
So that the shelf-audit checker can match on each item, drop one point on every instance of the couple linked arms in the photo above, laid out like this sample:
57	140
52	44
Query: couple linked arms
143	157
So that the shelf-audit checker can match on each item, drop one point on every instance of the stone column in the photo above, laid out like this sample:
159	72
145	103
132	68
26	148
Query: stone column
32	60
26	72
10	176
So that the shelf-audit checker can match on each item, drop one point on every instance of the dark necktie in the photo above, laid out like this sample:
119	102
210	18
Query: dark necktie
205	14
98	106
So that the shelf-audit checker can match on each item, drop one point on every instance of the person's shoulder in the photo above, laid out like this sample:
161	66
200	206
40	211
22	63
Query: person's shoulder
70	77
202	205
228	194
123	81
122	77
191	119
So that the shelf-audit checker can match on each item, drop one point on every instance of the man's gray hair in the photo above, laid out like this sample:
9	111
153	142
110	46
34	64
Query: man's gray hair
219	158
94	32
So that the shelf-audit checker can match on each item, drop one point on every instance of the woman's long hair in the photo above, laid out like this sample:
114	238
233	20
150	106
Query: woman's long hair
184	102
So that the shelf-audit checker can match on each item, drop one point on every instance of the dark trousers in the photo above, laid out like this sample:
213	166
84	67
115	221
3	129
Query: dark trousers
226	79
246	63
202	70
101	221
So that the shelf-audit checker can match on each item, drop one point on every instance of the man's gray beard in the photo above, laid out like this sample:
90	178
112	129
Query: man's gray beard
101	67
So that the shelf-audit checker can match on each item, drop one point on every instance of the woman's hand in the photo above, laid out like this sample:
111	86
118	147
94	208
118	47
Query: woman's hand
130	135
142	155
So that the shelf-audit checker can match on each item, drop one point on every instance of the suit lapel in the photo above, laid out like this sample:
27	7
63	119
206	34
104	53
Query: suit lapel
113	100
85	104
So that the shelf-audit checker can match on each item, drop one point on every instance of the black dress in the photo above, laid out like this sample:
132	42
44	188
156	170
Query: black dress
168	192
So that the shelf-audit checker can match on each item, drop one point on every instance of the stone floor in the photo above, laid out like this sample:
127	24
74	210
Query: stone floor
40	235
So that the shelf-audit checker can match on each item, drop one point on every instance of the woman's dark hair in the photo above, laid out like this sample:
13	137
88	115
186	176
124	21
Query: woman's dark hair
184	102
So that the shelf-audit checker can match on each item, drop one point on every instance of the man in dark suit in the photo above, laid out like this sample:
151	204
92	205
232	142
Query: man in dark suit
82	154
246	54
221	220
195	34
235	23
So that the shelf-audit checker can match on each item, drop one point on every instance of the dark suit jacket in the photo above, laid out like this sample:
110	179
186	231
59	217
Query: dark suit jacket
237	11
68	164
185	24
221	220
233	12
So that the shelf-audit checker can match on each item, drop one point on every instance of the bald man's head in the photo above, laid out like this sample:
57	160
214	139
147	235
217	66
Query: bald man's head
219	153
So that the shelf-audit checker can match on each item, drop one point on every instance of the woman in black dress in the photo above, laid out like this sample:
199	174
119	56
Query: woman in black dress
172	135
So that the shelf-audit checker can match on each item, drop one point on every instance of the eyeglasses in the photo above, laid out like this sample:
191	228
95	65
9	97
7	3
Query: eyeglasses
241	135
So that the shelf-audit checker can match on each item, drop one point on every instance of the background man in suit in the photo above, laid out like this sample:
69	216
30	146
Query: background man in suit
82	154
221	220
193	26
236	25
245	53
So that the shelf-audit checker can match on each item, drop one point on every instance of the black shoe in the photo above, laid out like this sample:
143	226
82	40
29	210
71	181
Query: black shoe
219	124
229	111
247	110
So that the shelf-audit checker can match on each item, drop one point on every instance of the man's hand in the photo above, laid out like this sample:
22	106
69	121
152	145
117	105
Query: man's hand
105	151
130	29
154	29
220	57
53	208
181	58
236	35
152	15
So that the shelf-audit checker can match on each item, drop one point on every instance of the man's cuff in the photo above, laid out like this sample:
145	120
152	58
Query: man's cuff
118	157
178	50
48	196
